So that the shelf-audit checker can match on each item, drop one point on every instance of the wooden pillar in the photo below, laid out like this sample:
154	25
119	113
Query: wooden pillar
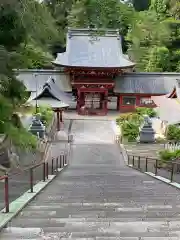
101	100
118	104
106	102
78	101
61	119
58	122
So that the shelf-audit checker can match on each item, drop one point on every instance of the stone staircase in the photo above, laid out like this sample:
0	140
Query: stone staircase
97	198
136	208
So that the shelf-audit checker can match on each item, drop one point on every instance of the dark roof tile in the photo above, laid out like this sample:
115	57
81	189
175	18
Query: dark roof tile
87	48
147	83
35	79
51	90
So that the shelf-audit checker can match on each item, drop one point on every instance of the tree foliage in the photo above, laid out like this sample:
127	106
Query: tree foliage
26	34
155	37
100	14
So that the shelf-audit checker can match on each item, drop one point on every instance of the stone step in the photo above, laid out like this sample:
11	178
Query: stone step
76	211
21	233
101	233
90	220
97	238
147	148
150	150
67	225
145	145
94	205
98	214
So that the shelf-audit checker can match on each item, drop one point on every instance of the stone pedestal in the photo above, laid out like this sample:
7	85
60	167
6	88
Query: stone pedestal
37	128
147	133
61	136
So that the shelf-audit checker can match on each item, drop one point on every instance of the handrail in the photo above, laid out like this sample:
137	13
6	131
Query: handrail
171	164
131	155
60	162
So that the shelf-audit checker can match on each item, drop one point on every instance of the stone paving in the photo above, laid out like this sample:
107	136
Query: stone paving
72	114
97	197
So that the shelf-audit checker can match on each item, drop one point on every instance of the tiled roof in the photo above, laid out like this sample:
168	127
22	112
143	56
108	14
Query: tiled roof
87	48
147	83
152	83
33	79
168	109
50	103
50	95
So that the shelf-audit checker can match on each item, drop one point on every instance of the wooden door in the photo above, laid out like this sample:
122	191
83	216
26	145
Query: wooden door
92	100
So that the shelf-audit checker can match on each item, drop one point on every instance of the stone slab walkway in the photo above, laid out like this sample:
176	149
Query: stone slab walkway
97	197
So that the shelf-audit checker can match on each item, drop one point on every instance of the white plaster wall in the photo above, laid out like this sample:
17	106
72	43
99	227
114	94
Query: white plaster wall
112	105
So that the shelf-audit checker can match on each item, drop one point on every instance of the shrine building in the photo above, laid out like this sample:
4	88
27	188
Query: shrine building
98	77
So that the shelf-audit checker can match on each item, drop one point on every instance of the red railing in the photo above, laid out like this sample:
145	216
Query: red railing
59	162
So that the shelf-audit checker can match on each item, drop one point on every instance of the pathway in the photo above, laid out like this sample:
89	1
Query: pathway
97	198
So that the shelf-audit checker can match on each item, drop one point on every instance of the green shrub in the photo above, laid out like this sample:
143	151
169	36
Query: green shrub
46	115
21	138
146	111
173	133
167	155
130	130
132	117
123	117
177	153
130	123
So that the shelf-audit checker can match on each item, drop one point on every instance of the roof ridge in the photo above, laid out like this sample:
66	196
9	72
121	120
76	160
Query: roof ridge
86	31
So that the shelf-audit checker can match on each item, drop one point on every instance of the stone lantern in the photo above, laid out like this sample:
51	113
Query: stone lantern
37	128
147	133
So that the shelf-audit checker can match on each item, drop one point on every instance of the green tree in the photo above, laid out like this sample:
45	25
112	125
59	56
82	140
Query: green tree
12	31
101	14
60	10
159	59
160	7
38	22
12	92
31	56
146	35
